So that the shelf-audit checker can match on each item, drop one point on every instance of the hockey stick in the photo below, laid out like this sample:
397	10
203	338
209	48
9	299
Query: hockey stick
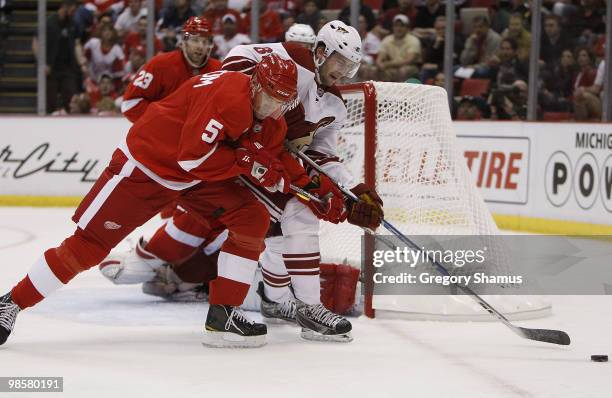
544	335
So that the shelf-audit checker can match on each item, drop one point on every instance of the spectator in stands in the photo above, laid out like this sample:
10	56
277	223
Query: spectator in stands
370	45
588	19
92	10
365	10
138	57
405	7
215	14
284	7
62	67
506	67
311	15
104	55
103	98
128	20
470	108
139	38
270	25
516	31
399	53
322	21
509	103
439	80
79	104
230	37
426	17
433	50
554	41
587	103
173	18
501	16
288	22
480	46
558	84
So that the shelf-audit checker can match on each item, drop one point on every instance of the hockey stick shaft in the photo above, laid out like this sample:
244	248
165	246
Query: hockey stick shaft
544	335
305	194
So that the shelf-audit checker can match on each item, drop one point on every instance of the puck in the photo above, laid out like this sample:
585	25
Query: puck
599	358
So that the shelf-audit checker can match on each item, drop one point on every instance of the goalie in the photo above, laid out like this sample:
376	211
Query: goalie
292	248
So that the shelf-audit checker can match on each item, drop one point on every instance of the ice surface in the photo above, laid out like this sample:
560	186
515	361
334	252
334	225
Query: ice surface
109	341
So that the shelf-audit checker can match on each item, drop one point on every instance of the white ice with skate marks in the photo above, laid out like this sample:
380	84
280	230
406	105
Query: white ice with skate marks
110	340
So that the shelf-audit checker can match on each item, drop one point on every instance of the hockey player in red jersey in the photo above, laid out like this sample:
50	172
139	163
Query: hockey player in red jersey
165	72
292	249
188	147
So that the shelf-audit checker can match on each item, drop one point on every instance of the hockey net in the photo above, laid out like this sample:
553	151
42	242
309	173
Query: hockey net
399	138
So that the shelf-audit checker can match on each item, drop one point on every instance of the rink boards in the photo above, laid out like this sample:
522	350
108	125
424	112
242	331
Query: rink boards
541	177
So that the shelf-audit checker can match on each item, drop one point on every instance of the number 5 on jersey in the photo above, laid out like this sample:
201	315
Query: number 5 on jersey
211	131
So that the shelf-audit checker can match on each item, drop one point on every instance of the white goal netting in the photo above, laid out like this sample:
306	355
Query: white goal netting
427	189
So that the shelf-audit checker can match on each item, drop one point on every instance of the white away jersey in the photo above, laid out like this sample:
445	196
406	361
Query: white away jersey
322	112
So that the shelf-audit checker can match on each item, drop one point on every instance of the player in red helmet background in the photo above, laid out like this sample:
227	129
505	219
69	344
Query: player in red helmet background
188	147
165	72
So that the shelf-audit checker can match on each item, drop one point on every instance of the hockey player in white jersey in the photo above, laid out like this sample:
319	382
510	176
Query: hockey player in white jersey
292	253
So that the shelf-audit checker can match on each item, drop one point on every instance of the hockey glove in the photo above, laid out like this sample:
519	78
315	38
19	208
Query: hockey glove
263	169
333	209
368	212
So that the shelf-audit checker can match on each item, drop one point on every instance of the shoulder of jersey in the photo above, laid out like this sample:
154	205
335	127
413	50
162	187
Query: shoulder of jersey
169	59
213	64
300	55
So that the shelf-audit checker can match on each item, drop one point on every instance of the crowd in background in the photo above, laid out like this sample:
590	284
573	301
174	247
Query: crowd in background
94	48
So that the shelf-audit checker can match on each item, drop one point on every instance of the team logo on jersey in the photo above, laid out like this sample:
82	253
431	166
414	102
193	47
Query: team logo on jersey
111	225
320	91
300	134
257	128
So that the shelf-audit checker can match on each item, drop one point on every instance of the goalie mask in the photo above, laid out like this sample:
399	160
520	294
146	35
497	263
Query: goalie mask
344	43
273	87
196	43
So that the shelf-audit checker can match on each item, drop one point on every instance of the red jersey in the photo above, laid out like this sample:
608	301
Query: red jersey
191	135
159	77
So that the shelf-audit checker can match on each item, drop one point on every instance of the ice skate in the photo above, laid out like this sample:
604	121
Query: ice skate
229	327
8	315
273	312
320	324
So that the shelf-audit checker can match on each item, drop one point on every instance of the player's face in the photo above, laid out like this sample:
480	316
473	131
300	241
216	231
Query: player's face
335	68
265	106
197	48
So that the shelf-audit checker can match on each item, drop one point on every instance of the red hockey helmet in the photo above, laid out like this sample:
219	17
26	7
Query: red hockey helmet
197	26
277	78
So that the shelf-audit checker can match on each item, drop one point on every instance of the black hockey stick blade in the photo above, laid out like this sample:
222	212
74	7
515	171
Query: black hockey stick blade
545	335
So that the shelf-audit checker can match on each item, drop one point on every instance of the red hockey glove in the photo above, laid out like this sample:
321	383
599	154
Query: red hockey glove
263	169
333	210
368	212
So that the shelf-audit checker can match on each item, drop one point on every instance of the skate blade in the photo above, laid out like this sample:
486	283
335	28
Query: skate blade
231	340
308	334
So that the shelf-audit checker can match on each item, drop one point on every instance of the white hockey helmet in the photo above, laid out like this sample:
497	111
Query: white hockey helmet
300	33
338	37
